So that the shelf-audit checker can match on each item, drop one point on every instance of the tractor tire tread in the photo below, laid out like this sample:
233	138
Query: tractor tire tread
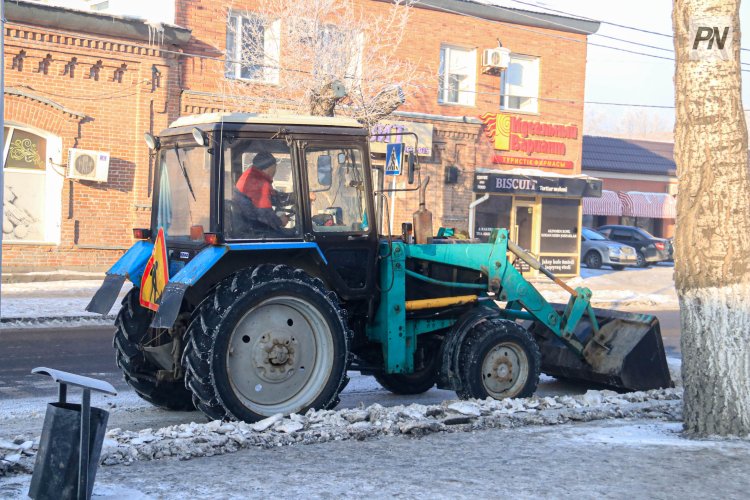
209	315
132	325
478	335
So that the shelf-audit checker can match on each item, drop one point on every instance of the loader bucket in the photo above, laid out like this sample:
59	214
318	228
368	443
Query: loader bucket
628	353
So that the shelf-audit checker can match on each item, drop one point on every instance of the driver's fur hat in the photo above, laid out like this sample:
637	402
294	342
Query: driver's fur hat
264	160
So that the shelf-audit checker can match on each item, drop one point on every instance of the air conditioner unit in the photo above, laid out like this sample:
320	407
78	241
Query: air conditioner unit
88	165
494	60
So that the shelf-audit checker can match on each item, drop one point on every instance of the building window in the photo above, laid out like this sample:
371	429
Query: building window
32	194
339	50
519	85
458	75
253	49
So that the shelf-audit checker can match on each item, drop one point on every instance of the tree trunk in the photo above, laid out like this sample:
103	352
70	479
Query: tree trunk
712	242
323	100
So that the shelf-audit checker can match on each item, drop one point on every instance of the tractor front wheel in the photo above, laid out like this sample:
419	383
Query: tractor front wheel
499	359
132	335
267	340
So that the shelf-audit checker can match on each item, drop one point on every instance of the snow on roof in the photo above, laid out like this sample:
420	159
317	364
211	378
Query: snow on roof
266	119
529	172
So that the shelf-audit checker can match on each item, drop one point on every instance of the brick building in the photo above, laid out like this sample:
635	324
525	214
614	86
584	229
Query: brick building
508	142
90	82
639	184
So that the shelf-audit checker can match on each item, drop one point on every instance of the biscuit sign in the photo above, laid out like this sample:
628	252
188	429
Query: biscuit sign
516	134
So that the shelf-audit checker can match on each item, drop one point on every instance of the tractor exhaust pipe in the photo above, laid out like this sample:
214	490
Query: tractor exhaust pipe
423	219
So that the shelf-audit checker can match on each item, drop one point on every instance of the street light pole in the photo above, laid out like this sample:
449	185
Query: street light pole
2	132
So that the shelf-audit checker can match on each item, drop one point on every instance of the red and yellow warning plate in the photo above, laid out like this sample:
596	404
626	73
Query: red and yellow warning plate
156	274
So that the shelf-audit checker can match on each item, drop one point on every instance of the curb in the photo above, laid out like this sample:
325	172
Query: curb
27	321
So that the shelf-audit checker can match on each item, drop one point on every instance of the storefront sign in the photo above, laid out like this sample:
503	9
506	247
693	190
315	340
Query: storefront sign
560	265
567	187
531	162
510	133
379	137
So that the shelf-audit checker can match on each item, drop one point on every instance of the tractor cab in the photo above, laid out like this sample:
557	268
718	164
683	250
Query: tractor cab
239	179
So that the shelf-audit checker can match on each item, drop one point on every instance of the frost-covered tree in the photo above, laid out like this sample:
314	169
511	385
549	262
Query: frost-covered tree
320	57
712	262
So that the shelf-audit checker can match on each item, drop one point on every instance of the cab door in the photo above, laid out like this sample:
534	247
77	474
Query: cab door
340	214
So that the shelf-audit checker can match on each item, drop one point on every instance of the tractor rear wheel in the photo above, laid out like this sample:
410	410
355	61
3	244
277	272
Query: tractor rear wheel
133	331
422	380
267	340
499	359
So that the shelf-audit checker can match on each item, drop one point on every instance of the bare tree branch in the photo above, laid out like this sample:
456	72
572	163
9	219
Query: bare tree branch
321	57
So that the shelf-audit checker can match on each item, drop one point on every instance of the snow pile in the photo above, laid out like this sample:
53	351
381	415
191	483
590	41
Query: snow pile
191	440
17	455
186	441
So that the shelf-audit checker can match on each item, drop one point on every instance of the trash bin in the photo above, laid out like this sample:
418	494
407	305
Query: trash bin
56	467
71	441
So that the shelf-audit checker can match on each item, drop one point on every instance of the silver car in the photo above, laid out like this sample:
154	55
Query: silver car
597	250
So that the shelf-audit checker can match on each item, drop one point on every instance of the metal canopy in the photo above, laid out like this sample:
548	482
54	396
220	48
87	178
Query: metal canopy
62	377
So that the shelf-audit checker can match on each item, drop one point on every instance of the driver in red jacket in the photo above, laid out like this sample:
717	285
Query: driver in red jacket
256	184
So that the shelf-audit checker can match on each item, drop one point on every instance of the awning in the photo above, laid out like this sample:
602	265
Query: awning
608	204
653	205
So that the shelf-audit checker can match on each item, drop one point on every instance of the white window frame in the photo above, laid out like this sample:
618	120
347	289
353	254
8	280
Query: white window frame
52	182
532	93
467	95
271	49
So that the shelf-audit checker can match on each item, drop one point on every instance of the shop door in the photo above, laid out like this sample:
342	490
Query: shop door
524	227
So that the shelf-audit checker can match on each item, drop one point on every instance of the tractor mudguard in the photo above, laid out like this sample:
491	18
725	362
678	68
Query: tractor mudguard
130	266
449	350
170	301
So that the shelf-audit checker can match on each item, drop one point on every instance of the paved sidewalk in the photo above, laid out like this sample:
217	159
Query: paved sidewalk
620	459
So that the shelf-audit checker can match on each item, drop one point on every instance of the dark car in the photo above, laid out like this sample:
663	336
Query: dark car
596	250
649	248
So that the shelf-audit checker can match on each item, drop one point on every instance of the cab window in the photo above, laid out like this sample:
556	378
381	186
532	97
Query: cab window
337	189
259	190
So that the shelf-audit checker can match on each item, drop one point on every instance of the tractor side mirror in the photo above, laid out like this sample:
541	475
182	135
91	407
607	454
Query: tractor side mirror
325	170
411	168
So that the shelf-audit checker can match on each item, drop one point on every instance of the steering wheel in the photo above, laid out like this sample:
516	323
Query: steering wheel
322	220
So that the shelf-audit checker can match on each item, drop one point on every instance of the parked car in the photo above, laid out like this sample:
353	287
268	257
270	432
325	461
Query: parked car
597	249
649	248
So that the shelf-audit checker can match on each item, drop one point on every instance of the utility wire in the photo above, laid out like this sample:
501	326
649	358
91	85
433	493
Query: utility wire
294	70
531	4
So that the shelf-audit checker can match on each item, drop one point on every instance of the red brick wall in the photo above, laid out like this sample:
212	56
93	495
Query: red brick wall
96	218
562	70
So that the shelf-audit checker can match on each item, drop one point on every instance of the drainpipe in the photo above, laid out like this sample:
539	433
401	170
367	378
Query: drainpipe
472	211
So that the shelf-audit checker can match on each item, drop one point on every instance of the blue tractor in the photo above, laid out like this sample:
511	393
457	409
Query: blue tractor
268	273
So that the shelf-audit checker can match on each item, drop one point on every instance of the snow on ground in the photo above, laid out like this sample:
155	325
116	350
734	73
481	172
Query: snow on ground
191	440
517	462
650	288
53	304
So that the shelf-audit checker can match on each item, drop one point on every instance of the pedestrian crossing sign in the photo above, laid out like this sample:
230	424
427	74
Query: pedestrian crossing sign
394	158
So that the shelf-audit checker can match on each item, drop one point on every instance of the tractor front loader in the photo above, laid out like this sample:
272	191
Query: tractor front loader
244	310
